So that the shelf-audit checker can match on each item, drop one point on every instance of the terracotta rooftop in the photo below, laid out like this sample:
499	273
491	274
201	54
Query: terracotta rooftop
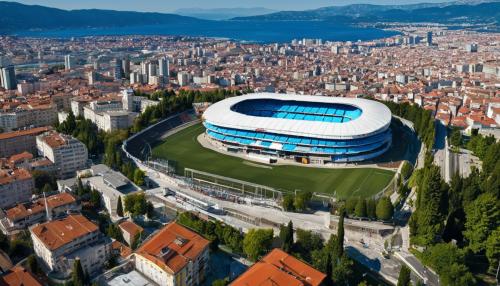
57	233
173	247
279	268
32	131
54	139
8	176
131	228
24	210
121	248
18	276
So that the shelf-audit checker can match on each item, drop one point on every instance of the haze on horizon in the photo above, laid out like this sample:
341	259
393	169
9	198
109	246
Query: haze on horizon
173	5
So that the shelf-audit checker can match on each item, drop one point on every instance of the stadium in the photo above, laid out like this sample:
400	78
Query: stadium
305	129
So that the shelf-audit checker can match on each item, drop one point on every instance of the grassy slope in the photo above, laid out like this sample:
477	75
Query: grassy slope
185	149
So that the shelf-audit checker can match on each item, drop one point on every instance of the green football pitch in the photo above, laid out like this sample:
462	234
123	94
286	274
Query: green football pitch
183	148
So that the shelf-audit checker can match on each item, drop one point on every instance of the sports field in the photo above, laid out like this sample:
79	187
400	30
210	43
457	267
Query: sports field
183	148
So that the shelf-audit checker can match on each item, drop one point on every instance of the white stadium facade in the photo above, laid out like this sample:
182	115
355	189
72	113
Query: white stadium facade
304	128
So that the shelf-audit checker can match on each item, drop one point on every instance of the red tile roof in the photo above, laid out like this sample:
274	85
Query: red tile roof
18	276
57	233
279	268
173	247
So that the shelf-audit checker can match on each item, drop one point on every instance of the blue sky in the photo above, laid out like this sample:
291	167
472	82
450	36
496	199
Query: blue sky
172	5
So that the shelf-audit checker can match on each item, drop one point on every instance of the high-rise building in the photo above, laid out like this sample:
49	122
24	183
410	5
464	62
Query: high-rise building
152	69
68	62
429	38
164	67
117	69
126	67
8	78
183	78
471	48
92	77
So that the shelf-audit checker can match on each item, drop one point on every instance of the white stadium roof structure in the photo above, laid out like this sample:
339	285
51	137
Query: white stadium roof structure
351	129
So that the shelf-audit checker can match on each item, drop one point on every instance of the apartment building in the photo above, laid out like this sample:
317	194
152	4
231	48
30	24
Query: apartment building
16	186
28	116
58	243
67	153
16	142
279	268
174	256
25	215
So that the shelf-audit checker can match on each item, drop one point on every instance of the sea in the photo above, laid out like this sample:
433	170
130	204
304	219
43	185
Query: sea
245	31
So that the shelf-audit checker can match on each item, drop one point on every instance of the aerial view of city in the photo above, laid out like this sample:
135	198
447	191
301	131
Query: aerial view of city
250	143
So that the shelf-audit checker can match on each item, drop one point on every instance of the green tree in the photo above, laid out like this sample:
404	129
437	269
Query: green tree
384	210
32	265
287	203
371	207
46	189
302	200
77	276
307	243
339	248
286	236
342	271
114	231
136	241
139	177
95	199
150	210
482	218
493	248
257	242
119	207
350	205
406	170
404	276
221	282
360	210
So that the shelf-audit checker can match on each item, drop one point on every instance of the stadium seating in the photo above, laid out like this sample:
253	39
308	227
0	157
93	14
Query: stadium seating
312	111
298	144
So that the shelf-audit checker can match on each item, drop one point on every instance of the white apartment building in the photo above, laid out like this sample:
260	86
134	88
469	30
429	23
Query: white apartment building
58	243
67	153
16	186
43	115
174	256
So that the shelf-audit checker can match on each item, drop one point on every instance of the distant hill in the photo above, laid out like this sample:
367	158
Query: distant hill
223	13
15	16
452	12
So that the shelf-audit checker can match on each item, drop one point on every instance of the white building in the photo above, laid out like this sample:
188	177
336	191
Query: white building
16	186
59	243
174	256
67	153
110	184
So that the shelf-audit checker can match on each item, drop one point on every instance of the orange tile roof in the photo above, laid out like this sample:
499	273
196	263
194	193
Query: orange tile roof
279	268
18	276
8	176
32	131
124	250
131	228
54	139
57	233
24	210
178	244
